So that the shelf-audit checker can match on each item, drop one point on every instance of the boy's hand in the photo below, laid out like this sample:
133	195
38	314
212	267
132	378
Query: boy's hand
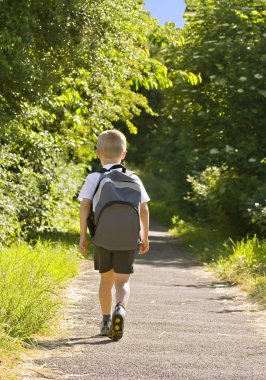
83	246
144	248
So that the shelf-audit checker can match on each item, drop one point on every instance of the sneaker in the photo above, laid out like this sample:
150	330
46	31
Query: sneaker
105	327
117	327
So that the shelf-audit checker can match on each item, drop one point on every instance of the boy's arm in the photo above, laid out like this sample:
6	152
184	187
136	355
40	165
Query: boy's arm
85	208
144	228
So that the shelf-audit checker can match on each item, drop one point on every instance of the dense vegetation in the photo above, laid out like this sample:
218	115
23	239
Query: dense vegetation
69	69
196	97
209	143
204	155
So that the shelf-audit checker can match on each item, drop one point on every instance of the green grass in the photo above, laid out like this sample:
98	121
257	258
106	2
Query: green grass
31	278
246	266
10	350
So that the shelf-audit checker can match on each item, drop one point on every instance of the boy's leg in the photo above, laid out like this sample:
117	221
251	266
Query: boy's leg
105	291
103	263
122	264
123	267
122	288
118	316
105	297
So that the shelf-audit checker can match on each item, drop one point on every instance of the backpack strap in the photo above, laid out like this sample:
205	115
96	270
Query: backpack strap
101	170
90	220
117	166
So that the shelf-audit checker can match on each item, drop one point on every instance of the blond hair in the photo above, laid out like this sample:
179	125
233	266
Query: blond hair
111	144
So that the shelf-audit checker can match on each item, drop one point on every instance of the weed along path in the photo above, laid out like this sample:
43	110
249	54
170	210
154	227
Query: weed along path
181	323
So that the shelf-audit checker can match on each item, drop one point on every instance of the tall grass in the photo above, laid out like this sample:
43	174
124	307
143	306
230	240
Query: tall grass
246	266
30	278
10	351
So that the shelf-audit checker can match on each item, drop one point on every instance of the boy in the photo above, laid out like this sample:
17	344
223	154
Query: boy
114	267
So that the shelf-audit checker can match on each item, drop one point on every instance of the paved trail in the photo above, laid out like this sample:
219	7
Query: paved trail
181	324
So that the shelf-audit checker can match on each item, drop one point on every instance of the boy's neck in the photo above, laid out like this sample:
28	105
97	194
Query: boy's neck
108	162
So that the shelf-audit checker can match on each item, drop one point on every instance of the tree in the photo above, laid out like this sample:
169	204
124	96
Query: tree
210	146
70	70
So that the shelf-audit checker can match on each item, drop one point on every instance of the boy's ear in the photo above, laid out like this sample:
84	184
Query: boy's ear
123	155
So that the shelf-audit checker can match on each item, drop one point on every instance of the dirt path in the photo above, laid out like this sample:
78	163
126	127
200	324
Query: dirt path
181	324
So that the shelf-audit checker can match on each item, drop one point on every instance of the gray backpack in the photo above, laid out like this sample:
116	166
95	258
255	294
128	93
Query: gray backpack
114	225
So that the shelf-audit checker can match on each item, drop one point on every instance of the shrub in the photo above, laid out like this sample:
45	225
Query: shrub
35	195
223	198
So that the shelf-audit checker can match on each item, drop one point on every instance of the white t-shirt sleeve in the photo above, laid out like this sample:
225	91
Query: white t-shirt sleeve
89	187
144	196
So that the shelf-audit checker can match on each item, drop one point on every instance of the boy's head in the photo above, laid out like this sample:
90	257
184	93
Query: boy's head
111	146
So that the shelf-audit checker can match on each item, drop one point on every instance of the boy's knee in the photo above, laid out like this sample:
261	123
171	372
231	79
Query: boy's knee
107	276
121	278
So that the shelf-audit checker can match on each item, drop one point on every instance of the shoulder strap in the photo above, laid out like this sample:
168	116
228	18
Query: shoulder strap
117	166
120	166
101	170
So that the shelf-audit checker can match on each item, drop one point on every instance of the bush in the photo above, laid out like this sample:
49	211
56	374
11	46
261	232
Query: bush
60	204
38	185
223	198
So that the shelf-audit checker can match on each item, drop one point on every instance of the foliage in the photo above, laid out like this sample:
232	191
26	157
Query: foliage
228	125
220	200
44	45
209	142
69	69
203	156
36	184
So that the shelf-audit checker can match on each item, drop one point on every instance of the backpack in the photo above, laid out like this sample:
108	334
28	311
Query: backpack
114	223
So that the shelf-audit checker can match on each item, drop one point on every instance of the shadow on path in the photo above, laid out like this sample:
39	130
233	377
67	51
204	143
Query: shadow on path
71	342
165	250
